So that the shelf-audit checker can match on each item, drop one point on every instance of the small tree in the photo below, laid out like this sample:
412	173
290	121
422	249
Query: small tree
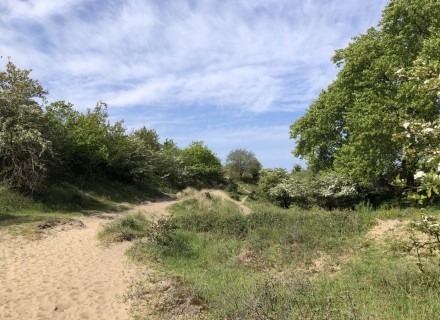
201	166
242	165
24	149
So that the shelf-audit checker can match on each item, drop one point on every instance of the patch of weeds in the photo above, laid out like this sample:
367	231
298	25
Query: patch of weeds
399	247
277	298
222	255
125	228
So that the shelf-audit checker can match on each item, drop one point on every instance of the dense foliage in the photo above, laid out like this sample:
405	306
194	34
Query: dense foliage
388	82
40	141
328	190
24	149
201	165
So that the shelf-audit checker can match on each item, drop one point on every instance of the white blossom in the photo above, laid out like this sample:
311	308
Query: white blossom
419	174
427	130
406	124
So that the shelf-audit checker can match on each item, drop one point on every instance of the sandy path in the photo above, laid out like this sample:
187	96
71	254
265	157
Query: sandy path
68	274
244	209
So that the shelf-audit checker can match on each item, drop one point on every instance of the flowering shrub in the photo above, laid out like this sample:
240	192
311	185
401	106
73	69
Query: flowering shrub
328	191
420	137
335	191
422	150
269	178
290	191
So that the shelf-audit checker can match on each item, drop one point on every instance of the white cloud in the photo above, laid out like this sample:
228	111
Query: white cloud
37	9
223	54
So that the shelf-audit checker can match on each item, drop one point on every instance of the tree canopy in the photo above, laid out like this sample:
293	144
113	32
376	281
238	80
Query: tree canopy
24	150
242	165
352	126
201	166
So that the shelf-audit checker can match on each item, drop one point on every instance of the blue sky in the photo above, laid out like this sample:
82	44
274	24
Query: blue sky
232	73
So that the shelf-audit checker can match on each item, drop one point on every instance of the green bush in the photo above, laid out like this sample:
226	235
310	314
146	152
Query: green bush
269	178
290	191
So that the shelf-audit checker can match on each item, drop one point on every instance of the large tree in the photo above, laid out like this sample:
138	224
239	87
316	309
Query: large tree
242	165
352	125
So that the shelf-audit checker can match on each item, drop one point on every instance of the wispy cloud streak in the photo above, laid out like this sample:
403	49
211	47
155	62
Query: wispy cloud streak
242	54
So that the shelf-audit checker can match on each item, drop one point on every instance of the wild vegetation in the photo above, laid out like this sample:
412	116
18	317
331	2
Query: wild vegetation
41	141
55	160
242	165
286	264
354	236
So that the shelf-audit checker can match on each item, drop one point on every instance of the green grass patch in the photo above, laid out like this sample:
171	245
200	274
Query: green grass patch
256	266
125	228
374	285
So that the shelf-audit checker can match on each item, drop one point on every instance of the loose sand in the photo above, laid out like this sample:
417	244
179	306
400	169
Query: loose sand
67	274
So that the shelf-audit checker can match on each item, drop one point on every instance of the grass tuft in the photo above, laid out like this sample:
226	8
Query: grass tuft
126	228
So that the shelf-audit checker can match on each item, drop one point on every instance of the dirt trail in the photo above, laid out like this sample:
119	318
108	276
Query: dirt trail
68	274
222	194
